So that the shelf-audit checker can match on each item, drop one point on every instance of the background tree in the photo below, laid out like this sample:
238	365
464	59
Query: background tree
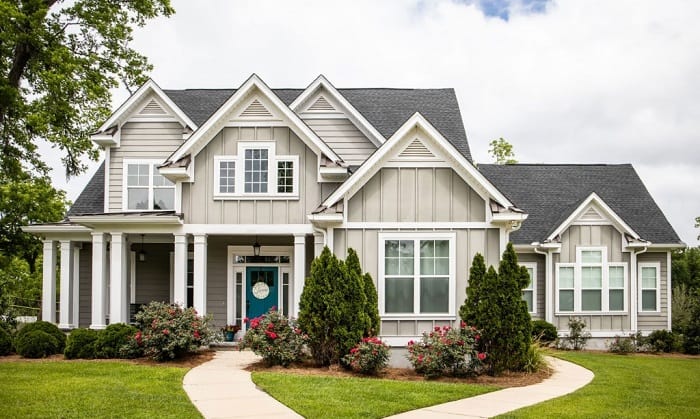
502	151
59	61
697	224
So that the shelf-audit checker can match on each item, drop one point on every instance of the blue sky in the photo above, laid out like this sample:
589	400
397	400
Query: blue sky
502	8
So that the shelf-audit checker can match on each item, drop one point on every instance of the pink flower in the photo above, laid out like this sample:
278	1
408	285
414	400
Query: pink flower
462	324
196	334
270	326
481	356
166	332
411	343
437	328
477	337
246	320
271	335
353	350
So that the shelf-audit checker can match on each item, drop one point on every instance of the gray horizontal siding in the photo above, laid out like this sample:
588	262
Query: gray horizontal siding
344	138
656	321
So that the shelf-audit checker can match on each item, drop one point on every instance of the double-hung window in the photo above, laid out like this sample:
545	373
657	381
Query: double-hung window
591	284
417	274
530	292
649	278
256	171
144	187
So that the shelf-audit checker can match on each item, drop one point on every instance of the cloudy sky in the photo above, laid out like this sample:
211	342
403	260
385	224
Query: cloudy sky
563	81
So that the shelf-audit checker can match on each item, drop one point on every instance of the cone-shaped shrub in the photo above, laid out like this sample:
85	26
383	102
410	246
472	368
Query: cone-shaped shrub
352	321
371	308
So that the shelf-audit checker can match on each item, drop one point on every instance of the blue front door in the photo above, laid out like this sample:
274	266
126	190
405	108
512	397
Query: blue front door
261	290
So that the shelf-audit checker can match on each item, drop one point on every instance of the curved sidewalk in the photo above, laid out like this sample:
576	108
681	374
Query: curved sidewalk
221	388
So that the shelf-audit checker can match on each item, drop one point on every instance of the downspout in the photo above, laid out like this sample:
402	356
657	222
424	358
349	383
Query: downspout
633	287
322	231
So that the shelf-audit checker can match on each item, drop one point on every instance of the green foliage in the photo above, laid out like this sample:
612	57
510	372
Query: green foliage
664	341
534	359
5	342
168	332
59	62
621	345
577	336
372	307
682	302
494	305
20	288
275	338
685	268
502	151
446	351
36	344
543	331
333	309
369	357
691	344
81	344
46	327
112	339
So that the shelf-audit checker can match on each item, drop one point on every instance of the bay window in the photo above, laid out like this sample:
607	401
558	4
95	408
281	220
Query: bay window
145	189
591	284
417	273
256	171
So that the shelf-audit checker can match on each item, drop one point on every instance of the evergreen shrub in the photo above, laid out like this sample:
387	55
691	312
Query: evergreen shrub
46	327
37	344
5	342
543	331
81	344
664	341
112	339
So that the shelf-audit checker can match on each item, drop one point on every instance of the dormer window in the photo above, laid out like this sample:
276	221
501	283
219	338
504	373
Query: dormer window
256	172
145	189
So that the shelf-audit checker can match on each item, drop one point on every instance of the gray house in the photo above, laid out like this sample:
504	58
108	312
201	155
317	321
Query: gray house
220	199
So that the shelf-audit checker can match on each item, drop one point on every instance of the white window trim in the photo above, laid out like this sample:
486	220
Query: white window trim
533	282
451	237
272	160
605	288
125	184
657	266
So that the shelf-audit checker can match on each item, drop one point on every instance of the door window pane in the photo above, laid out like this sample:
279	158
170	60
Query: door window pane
434	295
399	295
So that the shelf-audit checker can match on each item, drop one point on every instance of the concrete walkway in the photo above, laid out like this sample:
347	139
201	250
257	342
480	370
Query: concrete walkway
221	388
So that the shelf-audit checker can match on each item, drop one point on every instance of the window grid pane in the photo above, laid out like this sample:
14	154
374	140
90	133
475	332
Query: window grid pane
285	176
648	300
399	295
616	277
158	179
591	256
566	277
163	199
255	171
227	176
566	300
137	175
434	295
648	278
616	300
591	277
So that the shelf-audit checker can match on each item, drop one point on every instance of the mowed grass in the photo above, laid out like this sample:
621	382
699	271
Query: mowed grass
89	389
330	397
627	386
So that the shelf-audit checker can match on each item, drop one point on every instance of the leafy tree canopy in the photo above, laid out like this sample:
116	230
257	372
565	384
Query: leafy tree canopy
502	151
58	61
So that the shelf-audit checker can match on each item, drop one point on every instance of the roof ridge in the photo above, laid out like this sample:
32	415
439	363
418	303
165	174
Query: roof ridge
559	164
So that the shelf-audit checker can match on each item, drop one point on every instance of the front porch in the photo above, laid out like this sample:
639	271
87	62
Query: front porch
106	278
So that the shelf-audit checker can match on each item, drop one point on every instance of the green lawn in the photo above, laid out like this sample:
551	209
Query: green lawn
326	397
75	389
627	387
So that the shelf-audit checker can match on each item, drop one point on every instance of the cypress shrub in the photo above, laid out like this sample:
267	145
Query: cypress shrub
352	321
81	344
467	312
372	307
45	327
112	338
5	342
36	344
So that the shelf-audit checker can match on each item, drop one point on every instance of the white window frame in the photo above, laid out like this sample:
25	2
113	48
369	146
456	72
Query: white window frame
151	187
533	283
272	160
605	286
657	266
416	237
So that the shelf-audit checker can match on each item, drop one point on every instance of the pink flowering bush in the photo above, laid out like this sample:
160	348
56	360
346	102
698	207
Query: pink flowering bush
275	338
447	351
369	356
169	331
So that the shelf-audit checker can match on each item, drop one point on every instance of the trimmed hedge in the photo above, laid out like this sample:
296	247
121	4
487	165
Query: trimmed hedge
37	344
544	331
45	327
81	344
112	339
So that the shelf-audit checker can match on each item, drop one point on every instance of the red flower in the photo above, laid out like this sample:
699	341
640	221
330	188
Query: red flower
196	334
437	328
462	324
246	320
271	335
270	326
353	350
166	332
481	356
477	337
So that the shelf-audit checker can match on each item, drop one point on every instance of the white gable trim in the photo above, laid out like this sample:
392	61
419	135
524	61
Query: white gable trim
354	115
376	161
122	113
602	208
214	123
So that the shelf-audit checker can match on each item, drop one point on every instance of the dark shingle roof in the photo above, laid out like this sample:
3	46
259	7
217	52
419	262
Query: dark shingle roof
385	109
550	193
92	198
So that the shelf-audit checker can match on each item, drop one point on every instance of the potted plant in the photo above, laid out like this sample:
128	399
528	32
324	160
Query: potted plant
230	331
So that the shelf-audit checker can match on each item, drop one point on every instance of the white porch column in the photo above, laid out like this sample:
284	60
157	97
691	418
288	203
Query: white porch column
118	299
66	292
99	281
200	274
76	286
319	243
299	270
48	289
180	270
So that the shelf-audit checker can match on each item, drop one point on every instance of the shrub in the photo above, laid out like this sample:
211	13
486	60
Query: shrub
544	331
36	344
168	332
664	341
681	307
622	345
446	351
81	344
46	327
494	304
5	342
371	308
112	339
534	360
275	338
369	356
691	344
577	337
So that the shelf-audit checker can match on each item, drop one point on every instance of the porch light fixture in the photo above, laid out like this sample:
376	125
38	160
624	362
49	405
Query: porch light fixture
256	247
142	253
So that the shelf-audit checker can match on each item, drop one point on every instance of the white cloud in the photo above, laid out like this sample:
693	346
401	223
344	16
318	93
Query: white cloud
594	81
